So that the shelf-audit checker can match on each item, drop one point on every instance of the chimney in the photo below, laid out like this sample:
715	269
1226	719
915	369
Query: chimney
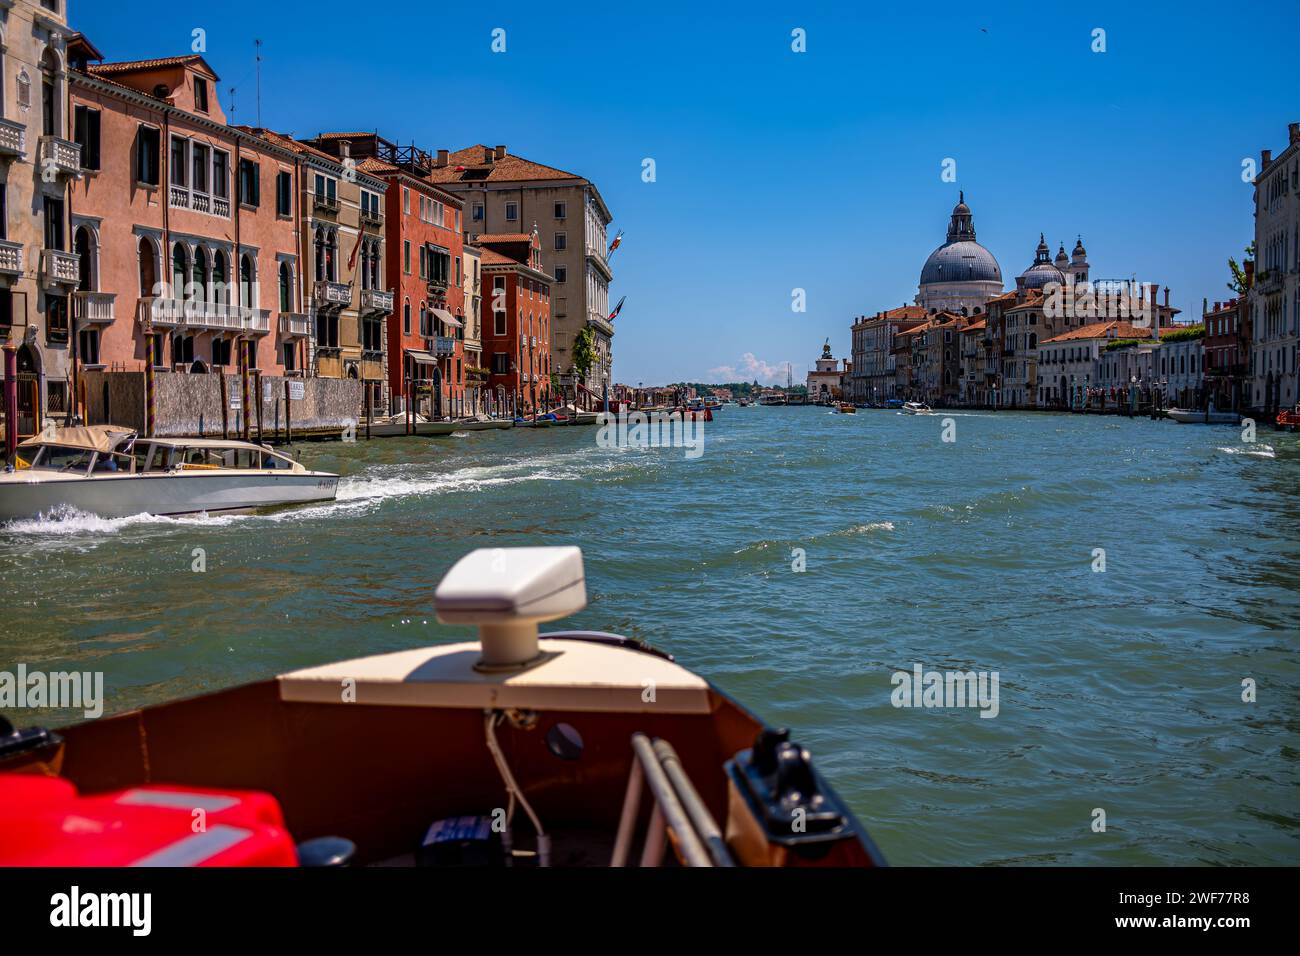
1265	157
500	152
345	148
1293	133
487	155
442	158
1248	267
1166	297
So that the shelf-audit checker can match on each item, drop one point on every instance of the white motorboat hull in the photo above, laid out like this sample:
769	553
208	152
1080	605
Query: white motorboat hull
1186	416
117	496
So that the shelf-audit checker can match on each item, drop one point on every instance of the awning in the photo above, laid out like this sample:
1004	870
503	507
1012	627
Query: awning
447	317
88	437
421	358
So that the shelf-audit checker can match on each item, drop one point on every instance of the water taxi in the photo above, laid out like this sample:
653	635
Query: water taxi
845	408
916	408
1206	416
572	748
1289	418
109	471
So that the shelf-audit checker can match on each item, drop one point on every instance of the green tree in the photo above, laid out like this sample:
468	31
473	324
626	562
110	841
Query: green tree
1238	283
584	352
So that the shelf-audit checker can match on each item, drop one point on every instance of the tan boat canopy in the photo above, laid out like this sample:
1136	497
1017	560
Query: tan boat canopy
89	437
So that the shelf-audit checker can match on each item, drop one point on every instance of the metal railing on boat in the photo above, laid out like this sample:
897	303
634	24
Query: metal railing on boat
678	805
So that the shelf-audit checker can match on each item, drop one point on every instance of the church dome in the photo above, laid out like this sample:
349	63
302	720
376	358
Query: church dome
961	258
1041	272
963	261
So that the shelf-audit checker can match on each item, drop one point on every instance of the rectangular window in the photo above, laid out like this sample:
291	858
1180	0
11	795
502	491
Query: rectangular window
561	241
500	363
477	213
221	174
200	94
200	165
4	210
284	193
498	323
6	308
406	201
561	210
372	335
406	256
88	346
54	223
561	274
423	257
56	318
86	133
512	211
250	187
178	161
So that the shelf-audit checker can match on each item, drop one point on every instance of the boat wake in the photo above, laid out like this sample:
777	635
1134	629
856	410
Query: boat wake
1263	451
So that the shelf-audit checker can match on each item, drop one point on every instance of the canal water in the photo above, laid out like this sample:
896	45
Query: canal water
1119	689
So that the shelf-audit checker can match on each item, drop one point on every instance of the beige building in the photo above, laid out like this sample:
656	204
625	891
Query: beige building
476	373
510	194
39	270
1275	296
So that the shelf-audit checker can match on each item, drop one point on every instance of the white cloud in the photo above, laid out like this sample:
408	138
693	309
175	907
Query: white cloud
750	368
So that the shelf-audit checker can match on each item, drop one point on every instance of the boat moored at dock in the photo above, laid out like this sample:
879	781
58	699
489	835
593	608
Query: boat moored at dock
111	472
1205	416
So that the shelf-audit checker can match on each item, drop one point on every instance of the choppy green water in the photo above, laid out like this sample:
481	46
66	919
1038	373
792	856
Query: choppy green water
1119	690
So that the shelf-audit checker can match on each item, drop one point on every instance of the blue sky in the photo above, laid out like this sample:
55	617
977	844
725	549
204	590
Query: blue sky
779	170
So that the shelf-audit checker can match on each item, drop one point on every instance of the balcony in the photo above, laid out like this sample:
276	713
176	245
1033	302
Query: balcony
376	300
325	202
11	258
257	321
93	308
60	268
159	313
444	345
1268	282
214	316
332	295
372	218
62	155
13	140
294	325
437	286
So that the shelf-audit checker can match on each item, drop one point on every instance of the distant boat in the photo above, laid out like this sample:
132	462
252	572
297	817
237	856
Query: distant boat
1289	418
916	408
845	408
893	403
1192	416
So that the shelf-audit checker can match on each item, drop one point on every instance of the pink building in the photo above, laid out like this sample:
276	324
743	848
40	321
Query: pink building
185	226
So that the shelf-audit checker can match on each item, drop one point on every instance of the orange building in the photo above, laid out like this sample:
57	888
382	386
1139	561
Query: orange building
185	227
516	320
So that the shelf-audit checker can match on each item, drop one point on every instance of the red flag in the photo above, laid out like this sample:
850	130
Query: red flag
615	244
352	259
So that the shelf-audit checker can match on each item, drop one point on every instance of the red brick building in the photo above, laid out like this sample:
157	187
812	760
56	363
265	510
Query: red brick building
516	321
425	245
1227	354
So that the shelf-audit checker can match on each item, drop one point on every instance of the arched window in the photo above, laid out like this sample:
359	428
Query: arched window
220	277
374	265
148	267
83	246
180	269
50	111
200	274
331	256
24	90
321	273
424	321
286	288
1033	340
406	317
246	281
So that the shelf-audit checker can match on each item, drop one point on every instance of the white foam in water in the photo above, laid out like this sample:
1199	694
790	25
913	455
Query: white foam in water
1263	451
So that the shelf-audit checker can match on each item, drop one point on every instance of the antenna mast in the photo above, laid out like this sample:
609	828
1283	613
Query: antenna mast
257	44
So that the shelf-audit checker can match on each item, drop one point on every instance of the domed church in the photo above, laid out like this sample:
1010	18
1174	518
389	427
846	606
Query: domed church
1044	270
960	274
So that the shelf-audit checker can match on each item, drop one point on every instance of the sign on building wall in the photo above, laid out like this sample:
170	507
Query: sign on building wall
296	391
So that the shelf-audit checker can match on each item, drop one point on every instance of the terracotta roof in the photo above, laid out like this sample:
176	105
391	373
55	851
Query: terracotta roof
135	66
286	142
507	169
490	258
1101	330
372	165
343	135
506	237
975	326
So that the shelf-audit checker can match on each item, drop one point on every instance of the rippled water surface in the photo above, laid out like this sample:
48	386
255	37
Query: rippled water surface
1119	690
